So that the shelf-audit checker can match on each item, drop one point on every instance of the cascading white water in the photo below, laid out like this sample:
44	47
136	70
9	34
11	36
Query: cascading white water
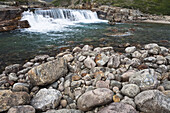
58	19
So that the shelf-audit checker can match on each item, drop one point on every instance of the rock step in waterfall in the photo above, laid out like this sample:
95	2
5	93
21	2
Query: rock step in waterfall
58	19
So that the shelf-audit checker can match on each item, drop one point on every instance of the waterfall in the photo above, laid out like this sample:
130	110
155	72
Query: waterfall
58	19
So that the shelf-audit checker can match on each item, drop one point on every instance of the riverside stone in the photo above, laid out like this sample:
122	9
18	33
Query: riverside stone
48	73
130	49
68	57
125	76
28	64
114	61
145	79
118	108
93	98
151	46
130	90
166	85
9	99
64	111
129	101
12	68
101	59
21	87
46	99
12	77
152	101
22	109
89	63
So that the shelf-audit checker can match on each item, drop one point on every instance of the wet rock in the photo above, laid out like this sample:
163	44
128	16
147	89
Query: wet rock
114	61
64	111
145	79
129	101
130	49
46	99
9	99
12	77
152	101
68	57
48	73
118	108
12	68
130	90
93	98
89	63
22	109
101	59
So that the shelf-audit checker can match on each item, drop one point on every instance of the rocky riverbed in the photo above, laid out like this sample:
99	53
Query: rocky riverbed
90	80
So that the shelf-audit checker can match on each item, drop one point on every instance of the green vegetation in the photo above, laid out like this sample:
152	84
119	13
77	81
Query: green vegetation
148	6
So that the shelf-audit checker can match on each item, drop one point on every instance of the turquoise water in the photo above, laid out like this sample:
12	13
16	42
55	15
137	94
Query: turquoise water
20	45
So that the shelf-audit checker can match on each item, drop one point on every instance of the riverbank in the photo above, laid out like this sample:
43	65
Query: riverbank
90	80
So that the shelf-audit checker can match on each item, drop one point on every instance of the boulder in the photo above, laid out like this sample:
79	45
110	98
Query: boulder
93	98
64	111
9	99
22	109
118	108
130	90
48	73
152	101
46	99
145	79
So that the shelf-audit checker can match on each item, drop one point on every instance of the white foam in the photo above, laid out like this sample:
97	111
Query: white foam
58	19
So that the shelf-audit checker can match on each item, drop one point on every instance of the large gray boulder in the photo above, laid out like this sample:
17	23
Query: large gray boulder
9	99
152	101
64	111
93	98
118	108
48	73
145	79
46	99
22	109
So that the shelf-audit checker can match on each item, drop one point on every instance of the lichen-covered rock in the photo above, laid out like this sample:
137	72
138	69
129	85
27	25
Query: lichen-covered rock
145	79
9	99
48	73
118	108
64	111
93	98
22	109
46	99
152	101
130	90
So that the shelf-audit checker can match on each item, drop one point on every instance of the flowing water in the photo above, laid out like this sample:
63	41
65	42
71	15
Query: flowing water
53	30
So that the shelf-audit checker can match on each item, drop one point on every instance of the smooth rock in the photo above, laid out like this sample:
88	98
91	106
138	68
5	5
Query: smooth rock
76	49
118	108
136	54
22	109
130	49
28	64
125	76
9	99
87	48
151	46
40	58
21	87
152	101
102	84
48	73
64	111
114	83
89	63
93	98
46	99
130	90
145	79
12	68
